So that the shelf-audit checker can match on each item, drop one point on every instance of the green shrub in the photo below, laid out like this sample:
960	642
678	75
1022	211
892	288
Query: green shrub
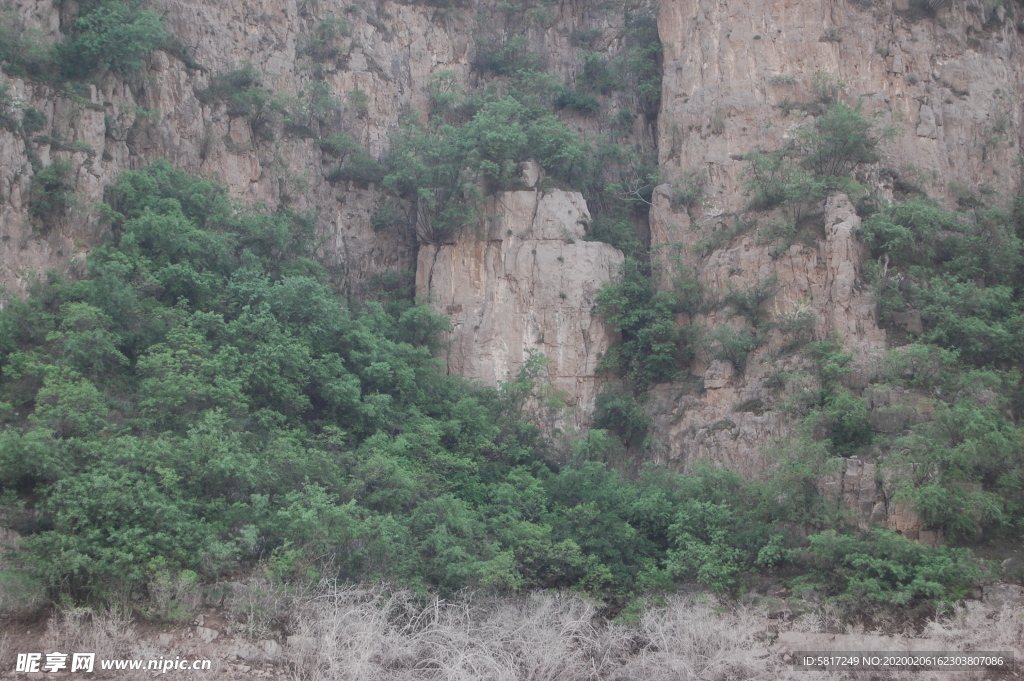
599	75
246	97
881	570
360	102
8	120
322	44
747	301
652	347
690	191
619	231
735	345
111	35
224	86
623	415
506	58
25	52
361	169
643	62
33	120
840	140
338	144
51	191
577	101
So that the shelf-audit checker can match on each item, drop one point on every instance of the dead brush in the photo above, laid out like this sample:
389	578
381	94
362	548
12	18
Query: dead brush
109	633
691	639
376	633
974	625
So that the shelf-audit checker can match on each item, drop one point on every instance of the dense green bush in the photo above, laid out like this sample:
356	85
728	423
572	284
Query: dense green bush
8	118
883	569
323	43
202	402
840	140
25	52
577	101
652	348
643	62
112	35
961	271
441	166
33	120
244	95
51	191
623	415
360	168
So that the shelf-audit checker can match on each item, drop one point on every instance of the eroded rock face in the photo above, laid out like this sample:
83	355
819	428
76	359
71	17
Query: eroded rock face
390	53
947	84
526	282
736	414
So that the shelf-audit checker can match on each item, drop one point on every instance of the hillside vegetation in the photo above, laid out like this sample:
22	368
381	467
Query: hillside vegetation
204	403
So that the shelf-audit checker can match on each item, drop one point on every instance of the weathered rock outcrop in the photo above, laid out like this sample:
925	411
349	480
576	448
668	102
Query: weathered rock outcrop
949	83
736	414
526	283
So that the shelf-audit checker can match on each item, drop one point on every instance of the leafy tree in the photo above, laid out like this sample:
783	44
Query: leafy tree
112	35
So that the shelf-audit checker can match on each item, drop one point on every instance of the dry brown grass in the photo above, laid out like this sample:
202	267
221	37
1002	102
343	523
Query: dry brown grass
109	634
346	632
339	632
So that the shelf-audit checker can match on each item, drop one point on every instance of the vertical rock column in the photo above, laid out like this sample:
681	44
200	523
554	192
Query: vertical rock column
525	281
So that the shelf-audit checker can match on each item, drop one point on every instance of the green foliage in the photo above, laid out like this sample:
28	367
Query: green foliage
51	191
774	179
323	43
25	52
577	101
338	144
360	168
360	102
652	347
883	569
33	120
618	231
202	402
169	413
690	192
643	62
243	94
8	120
747	301
968	469
623	415
600	75
506	58
840	140
112	35
732	344
440	166
959	270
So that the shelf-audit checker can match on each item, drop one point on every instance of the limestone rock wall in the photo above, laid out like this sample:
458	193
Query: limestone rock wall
949	84
525	282
391	53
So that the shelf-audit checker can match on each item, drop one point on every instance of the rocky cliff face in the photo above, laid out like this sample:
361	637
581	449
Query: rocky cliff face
529	285
529	289
949	81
